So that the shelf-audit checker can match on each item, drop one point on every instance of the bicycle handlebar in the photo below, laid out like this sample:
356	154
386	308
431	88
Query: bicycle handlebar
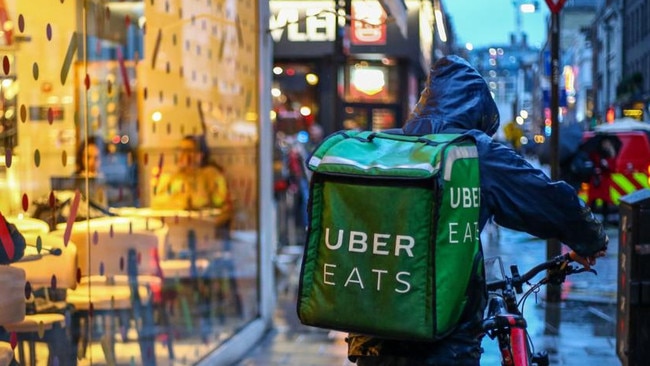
559	268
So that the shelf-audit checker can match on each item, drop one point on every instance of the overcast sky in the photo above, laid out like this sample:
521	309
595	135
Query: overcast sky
490	22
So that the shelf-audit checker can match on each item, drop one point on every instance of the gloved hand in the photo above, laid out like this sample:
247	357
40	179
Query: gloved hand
589	261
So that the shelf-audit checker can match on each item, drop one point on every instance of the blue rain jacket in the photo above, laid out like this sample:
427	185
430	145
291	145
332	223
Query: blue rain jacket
515	194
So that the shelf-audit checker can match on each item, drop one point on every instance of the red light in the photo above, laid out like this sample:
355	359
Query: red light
291	72
611	115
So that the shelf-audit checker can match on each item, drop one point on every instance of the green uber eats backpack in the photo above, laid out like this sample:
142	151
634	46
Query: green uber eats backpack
393	236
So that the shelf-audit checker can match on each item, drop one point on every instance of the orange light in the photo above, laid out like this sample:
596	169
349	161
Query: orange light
611	115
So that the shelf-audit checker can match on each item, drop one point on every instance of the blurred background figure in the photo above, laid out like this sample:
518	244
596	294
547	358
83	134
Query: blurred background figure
88	159
197	183
316	135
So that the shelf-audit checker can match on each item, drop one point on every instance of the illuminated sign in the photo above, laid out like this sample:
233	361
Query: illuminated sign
368	24
637	114
303	21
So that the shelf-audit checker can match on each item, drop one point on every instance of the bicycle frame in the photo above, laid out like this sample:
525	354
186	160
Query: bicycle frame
505	321
509	328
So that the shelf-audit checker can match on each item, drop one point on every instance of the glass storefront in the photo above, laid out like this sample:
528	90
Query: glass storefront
131	136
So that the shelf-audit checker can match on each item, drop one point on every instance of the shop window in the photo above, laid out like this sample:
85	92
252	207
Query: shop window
156	233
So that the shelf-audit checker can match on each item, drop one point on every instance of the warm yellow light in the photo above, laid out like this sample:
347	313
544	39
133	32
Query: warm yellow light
156	116
311	78
305	111
368	80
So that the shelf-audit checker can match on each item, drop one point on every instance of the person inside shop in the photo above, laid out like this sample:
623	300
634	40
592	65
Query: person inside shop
513	193
197	183
89	158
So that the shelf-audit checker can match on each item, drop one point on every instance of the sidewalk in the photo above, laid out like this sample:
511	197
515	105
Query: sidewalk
586	333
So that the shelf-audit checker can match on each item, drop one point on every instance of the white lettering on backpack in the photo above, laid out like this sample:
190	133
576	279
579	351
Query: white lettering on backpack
327	274
358	242
464	197
399	279
354	273
470	233
379	272
379	244
356	277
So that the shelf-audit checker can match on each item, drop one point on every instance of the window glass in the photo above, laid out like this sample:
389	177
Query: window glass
129	136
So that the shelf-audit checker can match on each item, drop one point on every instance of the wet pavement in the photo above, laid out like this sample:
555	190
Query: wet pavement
585	334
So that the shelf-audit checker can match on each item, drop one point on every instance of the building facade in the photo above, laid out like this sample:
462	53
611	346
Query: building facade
362	69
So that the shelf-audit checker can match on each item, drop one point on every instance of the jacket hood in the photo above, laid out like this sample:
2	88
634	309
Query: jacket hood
455	97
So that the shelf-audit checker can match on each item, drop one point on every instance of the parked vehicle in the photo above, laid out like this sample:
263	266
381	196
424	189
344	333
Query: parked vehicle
621	166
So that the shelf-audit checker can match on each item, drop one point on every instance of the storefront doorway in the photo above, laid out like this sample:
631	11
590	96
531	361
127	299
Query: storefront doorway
374	117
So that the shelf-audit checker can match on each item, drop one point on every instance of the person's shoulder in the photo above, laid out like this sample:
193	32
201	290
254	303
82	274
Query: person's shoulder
210	170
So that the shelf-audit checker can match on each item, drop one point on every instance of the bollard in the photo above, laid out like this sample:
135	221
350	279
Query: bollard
633	310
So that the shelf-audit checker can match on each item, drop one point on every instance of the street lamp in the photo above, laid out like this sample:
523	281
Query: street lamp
553	246
523	7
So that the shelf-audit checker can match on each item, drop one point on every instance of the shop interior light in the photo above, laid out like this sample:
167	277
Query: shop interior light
311	78
277	70
368	80
276	92
156	116
305	111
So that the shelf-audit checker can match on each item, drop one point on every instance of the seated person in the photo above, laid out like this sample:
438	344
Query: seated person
88	158
196	183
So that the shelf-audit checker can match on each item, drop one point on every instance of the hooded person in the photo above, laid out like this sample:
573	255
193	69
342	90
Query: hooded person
514	194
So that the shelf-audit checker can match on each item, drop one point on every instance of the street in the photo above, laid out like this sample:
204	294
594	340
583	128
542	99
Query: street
586	334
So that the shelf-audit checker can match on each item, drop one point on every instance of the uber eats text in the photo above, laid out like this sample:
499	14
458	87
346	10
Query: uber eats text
392	244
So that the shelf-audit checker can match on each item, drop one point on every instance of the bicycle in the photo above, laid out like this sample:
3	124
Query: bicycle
505	320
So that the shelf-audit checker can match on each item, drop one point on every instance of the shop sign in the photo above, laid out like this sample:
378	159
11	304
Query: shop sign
303	21
369	24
